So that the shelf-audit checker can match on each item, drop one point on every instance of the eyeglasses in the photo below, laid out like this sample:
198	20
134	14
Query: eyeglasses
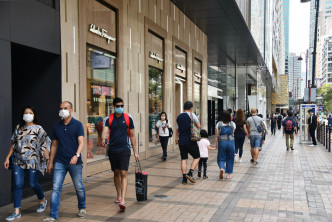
118	106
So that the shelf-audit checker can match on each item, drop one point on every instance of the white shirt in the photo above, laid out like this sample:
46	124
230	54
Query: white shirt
163	130
203	145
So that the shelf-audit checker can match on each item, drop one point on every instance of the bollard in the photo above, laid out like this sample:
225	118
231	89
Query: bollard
318	131
324	136
330	131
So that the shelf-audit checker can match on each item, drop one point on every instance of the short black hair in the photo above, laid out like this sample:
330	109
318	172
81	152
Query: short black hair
225	116
188	105
204	134
290	113
310	111
117	100
260	115
70	103
229	110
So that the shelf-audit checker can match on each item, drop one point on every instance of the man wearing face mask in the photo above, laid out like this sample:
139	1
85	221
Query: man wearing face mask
119	127
66	149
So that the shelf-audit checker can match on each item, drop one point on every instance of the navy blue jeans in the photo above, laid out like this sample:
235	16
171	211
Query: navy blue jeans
239	146
226	155
18	174
164	143
60	171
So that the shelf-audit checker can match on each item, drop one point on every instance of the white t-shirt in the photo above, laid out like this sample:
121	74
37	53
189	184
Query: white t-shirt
203	147
163	130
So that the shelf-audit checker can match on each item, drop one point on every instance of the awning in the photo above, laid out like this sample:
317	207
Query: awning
228	34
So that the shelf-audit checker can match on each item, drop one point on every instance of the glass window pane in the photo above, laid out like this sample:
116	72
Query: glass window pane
100	82
197	99
155	102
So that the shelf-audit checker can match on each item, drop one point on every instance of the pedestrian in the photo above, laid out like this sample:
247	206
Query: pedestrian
279	120
312	122
120	128
204	147
183	138
273	123
239	134
255	133
329	119
230	112
29	153
67	145
265	132
224	141
163	126
289	127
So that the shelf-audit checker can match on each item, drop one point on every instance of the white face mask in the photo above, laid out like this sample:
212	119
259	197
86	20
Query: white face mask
64	113
28	118
163	117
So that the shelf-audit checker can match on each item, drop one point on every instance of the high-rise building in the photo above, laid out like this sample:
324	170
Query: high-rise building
285	8
311	36
294	76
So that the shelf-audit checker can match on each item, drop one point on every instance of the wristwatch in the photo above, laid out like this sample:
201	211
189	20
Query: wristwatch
78	155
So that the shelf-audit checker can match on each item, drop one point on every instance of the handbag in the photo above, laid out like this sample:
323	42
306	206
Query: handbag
194	131
141	182
170	131
259	127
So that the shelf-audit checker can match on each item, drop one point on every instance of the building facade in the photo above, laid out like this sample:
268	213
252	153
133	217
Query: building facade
147	52
294	76
285	8
326	60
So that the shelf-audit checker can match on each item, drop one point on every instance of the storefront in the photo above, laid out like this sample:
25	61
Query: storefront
145	52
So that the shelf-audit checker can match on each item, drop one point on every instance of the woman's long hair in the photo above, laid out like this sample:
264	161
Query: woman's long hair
21	122
239	116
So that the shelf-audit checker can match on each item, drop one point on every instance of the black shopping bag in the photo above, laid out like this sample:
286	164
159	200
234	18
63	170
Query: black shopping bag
141	183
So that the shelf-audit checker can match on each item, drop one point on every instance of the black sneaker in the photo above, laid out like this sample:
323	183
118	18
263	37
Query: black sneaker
190	178
287	149
199	174
251	161
184	181
292	148
164	158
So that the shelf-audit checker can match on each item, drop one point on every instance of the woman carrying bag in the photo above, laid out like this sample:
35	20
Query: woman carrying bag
239	133
165	132
30	152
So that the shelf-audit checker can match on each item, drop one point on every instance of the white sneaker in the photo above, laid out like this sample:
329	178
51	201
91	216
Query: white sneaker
236	158
240	160
312	145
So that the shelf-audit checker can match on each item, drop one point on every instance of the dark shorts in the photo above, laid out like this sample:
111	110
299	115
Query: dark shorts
192	149
119	159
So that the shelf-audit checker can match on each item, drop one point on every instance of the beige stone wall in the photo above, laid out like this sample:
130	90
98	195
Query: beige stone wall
134	16
282	97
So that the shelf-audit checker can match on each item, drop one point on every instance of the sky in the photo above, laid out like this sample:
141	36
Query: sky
299	30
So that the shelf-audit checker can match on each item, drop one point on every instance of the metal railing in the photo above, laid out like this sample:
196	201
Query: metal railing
324	136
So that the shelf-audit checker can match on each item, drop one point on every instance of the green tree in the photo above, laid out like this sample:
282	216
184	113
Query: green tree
326	92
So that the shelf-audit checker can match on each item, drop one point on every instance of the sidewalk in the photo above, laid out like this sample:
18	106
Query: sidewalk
284	186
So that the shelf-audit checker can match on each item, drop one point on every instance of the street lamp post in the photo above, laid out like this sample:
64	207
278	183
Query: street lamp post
307	82
315	43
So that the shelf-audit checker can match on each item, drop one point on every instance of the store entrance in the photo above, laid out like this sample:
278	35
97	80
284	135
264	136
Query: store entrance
36	81
179	96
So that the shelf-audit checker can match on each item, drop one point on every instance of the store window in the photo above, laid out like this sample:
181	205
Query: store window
155	102
197	99
101	85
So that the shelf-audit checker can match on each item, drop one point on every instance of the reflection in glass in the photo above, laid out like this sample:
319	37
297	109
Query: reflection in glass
100	94
197	99
155	102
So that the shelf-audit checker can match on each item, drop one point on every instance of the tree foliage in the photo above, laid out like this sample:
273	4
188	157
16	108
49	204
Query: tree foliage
326	92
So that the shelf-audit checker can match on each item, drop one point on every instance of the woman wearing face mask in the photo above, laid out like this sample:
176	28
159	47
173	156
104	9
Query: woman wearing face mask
163	126
29	152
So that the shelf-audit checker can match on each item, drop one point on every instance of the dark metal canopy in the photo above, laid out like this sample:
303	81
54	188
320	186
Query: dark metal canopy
228	34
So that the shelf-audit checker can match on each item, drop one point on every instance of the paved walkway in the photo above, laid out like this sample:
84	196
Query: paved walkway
284	186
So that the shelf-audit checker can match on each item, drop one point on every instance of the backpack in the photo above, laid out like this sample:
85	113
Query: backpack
110	121
289	126
226	132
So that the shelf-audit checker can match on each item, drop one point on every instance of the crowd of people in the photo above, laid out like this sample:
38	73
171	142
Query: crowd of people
32	150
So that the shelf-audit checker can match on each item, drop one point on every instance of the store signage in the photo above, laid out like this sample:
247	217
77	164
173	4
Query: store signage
197	74
101	32
181	67
155	56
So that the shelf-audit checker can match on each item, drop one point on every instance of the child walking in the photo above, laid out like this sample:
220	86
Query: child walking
204	147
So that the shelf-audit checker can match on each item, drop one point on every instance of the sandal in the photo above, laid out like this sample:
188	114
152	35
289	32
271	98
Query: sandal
255	162
117	201
122	206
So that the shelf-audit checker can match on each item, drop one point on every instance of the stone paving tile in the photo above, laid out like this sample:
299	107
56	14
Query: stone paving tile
284	186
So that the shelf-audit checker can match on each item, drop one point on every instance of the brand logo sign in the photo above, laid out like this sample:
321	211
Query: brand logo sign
155	56
181	67
101	32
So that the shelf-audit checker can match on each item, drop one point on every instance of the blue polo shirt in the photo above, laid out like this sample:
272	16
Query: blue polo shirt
67	136
119	139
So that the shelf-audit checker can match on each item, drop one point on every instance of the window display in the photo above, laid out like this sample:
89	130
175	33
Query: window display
100	94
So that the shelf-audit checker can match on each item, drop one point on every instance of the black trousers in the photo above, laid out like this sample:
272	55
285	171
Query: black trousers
273	129
312	134
203	161
164	143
